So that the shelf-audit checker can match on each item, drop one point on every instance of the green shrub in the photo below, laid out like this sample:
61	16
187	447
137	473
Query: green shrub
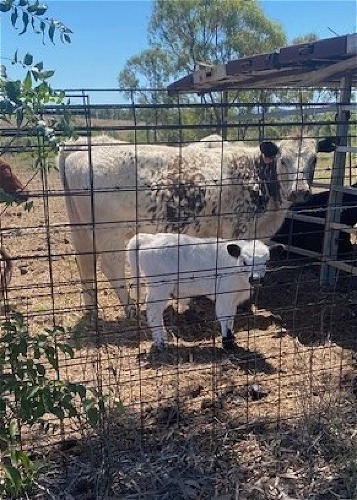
31	391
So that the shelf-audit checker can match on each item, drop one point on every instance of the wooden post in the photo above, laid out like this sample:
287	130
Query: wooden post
330	247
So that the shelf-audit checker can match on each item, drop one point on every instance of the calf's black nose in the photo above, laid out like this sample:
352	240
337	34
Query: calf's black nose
256	281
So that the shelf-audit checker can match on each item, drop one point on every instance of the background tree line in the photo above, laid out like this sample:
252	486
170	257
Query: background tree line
182	36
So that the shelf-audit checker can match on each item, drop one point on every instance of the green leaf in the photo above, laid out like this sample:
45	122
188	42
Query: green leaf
66	349
24	459
41	10
28	59
93	415
35	74
39	66
5	6
28	207
51	32
14	476
14	17
65	38
32	8
47	401
81	390
25	21
42	26
44	75
13	429
51	356
41	370
33	391
2	407
28	81
58	412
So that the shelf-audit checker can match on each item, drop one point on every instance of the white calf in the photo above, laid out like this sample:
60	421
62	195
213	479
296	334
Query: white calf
182	266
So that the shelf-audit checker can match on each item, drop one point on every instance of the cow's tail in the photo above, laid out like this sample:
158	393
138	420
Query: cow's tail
7	267
61	165
132	254
73	215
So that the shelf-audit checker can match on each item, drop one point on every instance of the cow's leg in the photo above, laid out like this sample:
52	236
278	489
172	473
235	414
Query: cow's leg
156	302
225	311
86	262
113	265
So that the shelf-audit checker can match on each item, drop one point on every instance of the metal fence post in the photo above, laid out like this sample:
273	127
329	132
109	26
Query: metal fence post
333	214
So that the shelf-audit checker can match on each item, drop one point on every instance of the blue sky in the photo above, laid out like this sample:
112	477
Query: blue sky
107	33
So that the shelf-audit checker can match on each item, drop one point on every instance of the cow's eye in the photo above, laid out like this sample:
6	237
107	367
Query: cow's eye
283	162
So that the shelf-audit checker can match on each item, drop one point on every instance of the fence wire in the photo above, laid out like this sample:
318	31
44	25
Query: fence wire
193	420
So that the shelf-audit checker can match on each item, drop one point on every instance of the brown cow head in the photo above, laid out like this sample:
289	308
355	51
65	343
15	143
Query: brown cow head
10	184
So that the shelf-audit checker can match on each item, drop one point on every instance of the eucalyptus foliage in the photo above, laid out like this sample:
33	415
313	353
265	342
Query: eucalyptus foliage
186	35
23	101
24	13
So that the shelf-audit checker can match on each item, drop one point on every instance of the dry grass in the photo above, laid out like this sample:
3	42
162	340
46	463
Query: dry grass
196	422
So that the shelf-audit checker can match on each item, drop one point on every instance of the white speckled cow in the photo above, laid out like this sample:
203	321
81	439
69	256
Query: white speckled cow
122	189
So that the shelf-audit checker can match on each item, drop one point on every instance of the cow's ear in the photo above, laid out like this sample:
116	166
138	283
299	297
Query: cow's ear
276	251
269	149
327	145
234	250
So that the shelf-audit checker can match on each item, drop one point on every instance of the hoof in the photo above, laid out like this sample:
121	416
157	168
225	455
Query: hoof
131	312
228	341
228	344
159	347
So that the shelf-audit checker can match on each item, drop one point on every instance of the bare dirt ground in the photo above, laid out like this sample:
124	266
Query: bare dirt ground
195	422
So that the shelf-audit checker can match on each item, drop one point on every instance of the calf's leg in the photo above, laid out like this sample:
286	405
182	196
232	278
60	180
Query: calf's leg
225	311
156	302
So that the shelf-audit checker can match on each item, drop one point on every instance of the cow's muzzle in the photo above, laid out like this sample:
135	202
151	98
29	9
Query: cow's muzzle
256	281
299	196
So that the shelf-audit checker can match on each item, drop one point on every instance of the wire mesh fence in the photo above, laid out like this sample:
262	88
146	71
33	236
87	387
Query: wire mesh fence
192	420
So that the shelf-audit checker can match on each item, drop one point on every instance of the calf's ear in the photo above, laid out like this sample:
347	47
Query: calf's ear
234	250
276	251
327	145
269	149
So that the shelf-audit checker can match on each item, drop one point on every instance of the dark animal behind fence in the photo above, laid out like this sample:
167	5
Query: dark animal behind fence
10	183
310	235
